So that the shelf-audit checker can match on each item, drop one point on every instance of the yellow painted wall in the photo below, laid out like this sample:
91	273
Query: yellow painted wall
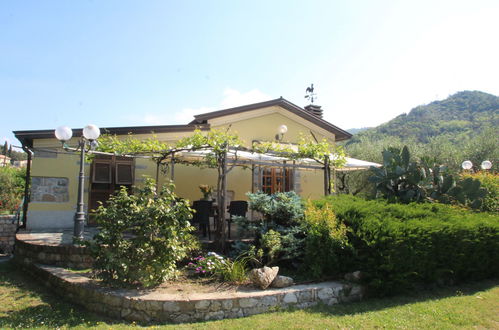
264	128
62	166
261	125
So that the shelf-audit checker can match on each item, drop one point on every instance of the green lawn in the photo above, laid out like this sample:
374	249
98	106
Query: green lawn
25	303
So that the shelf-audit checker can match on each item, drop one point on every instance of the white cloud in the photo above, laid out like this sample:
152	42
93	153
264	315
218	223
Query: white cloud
234	98
231	98
187	115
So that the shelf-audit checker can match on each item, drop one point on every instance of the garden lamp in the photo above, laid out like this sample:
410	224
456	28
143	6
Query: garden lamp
467	165
486	165
89	136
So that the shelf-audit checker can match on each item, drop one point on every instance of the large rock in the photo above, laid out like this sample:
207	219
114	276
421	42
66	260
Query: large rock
281	282
356	276
263	277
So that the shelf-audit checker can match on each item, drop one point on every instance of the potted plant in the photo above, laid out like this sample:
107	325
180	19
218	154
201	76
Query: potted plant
206	190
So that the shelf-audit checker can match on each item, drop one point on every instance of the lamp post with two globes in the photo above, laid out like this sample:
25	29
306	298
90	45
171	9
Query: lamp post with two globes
468	165
89	136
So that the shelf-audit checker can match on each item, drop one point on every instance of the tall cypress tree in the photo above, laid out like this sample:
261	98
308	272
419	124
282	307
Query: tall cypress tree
4	151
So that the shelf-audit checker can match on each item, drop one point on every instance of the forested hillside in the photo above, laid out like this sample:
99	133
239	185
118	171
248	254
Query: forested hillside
462	127
462	113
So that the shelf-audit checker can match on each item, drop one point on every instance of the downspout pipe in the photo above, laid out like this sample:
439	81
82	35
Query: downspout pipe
27	184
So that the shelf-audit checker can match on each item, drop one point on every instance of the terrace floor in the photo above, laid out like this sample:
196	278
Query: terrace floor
57	237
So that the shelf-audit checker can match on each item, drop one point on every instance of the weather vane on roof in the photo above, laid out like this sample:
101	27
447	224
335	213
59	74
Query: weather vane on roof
310	93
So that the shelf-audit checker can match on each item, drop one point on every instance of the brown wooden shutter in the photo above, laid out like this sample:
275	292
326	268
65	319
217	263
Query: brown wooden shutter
124	173
102	172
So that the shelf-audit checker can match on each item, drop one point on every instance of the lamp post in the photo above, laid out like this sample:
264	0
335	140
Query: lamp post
468	165
89	136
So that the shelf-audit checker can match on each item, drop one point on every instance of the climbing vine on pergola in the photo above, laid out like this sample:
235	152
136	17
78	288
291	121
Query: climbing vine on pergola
217	144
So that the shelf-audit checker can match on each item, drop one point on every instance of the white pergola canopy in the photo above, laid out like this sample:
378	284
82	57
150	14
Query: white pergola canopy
240	157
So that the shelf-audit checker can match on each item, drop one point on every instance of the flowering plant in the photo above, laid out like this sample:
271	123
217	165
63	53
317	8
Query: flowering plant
206	190
211	264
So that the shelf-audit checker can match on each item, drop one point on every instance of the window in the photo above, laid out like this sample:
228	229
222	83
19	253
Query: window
102	172
109	173
124	173
275	179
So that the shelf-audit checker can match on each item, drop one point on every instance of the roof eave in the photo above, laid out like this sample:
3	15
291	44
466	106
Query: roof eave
26	137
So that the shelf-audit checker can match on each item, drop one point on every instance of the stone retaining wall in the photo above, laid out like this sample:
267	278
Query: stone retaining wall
69	256
150	306
7	234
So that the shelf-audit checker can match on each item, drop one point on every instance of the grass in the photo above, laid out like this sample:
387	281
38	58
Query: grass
24	303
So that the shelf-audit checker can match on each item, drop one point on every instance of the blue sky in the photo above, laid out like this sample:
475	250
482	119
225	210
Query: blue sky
125	63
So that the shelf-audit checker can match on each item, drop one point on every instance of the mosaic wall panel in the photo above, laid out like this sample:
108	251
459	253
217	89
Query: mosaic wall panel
46	189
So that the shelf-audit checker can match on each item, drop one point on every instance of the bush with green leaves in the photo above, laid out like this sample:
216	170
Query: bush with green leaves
327	251
489	181
11	188
278	236
400	246
281	208
142	236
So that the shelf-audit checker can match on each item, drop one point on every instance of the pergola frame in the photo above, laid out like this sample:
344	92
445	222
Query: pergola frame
230	159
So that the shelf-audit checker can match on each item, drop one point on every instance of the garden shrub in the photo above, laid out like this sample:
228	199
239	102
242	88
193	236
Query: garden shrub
142	236
11	188
489	181
279	237
399	246
281	208
327	250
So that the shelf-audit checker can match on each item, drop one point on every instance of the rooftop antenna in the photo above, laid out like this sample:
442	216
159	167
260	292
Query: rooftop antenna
310	93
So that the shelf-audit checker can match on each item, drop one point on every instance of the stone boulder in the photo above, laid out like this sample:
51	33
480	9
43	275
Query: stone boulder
263	277
282	282
354	277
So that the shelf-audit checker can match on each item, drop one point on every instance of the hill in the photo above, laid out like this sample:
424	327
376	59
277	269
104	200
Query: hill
467	112
357	130
461	127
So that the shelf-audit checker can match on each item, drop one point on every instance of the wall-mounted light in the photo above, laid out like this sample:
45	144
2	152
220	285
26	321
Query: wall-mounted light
281	130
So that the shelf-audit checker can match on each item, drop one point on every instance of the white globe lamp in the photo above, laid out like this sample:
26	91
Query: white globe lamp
467	165
91	132
486	165
63	133
283	129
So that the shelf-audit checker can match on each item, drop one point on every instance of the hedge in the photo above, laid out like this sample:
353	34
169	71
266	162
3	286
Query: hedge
402	246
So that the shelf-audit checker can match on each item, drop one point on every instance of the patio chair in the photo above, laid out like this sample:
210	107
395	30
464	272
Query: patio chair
237	208
202	215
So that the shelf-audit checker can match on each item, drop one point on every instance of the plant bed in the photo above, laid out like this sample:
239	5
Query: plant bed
188	301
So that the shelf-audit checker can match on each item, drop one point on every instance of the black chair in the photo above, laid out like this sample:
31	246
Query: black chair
202	215
237	208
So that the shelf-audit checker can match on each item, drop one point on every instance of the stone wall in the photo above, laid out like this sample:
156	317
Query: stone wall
155	307
69	256
7	234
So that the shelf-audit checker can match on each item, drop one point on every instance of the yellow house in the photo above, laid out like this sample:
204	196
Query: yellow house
54	171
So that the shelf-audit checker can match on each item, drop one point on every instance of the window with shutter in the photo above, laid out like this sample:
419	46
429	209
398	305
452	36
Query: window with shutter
102	172
124	173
